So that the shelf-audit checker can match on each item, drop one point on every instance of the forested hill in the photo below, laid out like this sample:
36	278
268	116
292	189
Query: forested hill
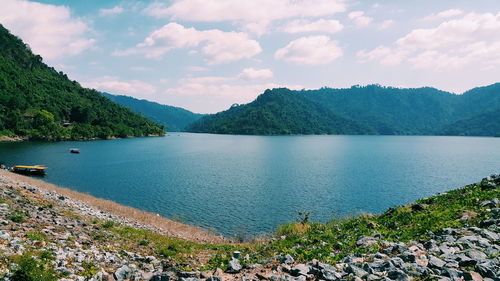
37	102
373	109
279	111
173	118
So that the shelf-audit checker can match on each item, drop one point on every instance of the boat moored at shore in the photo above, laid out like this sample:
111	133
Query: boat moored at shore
38	170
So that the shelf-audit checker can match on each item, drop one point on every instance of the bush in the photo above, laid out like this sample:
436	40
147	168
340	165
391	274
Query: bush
31	269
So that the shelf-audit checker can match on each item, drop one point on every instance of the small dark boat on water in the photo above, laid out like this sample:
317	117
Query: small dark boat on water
38	170
74	150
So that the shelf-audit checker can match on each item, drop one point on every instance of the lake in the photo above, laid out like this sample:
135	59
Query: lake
239	185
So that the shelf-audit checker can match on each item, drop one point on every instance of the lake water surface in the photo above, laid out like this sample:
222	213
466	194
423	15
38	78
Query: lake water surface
252	184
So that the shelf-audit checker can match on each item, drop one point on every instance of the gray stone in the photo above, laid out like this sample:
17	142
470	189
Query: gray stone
476	255
365	241
356	270
452	273
300	269
122	273
398	275
329	275
435	262
160	277
188	274
188	279
233	266
486	270
214	278
397	262
288	259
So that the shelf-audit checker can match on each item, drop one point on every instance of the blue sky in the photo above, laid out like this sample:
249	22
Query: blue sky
205	55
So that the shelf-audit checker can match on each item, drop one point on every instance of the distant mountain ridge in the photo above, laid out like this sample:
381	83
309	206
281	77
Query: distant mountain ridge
371	109
173	118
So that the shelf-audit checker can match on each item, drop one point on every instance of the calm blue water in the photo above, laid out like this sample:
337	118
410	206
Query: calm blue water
238	184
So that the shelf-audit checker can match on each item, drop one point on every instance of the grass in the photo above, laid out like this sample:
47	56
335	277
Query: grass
33	266
36	236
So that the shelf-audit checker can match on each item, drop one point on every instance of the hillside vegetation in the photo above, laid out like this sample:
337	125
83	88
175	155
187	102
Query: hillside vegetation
279	111
37	102
371	109
173	118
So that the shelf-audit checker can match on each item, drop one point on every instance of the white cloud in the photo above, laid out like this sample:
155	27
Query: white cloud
321	25
244	10
312	50
111	12
386	24
360	19
219	46
444	15
454	43
113	85
251	74
259	28
50	30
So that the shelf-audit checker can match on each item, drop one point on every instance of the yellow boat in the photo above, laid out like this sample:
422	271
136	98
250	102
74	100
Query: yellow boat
29	170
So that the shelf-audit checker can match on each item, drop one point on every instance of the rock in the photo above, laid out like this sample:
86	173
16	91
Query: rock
398	275
160	277
486	270
329	275
356	271
365	241
435	262
122	273
476	255
490	235
464	260
300	269
452	273
472	276
288	259
188	274
233	266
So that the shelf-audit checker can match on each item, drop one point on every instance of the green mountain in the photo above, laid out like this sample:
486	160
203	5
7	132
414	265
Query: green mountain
279	111
37	102
173	118
482	124
375	110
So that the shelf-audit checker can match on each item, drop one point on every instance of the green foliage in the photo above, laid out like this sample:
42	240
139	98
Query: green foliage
36	101
17	216
108	224
89	269
36	236
372	109
278	112
173	118
32	268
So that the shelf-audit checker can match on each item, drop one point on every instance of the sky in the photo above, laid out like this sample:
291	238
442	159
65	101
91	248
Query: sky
205	55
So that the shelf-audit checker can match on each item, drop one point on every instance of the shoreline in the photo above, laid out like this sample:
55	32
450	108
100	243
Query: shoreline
87	204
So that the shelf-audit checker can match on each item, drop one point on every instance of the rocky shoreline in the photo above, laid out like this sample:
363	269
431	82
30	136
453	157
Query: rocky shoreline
39	222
